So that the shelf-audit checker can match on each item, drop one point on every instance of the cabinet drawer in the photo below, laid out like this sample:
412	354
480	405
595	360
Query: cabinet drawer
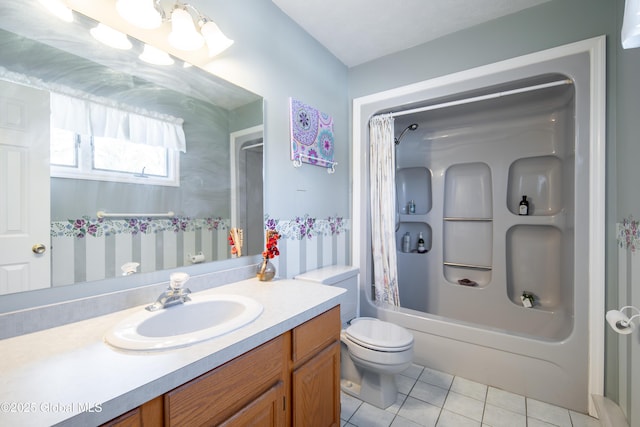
220	393
315	334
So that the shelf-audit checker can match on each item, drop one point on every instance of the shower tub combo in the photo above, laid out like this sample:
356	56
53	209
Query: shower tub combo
486	138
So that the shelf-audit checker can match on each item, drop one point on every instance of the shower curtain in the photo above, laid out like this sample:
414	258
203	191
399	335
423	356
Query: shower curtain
383	207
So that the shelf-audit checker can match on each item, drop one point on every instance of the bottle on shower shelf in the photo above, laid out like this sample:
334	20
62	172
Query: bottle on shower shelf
406	242
524	206
412	207
421	248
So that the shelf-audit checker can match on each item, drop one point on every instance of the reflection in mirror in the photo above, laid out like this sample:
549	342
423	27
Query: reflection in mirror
172	205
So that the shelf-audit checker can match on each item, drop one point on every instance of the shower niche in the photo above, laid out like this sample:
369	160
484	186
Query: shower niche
414	229
413	185
468	223
535	265
538	178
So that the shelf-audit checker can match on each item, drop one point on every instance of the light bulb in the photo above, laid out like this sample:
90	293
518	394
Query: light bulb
111	37
183	34
155	56
141	13
59	9
215	38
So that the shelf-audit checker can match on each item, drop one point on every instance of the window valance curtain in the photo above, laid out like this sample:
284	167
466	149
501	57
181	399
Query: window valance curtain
86	117
87	114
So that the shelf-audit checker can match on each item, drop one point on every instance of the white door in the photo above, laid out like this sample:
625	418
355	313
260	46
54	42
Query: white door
24	189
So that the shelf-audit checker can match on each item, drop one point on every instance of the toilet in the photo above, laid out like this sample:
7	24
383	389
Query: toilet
373	351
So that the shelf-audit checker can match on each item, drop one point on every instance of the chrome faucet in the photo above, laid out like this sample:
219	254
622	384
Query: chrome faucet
175	294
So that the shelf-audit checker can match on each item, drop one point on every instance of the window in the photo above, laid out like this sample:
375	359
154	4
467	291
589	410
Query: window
97	142
109	159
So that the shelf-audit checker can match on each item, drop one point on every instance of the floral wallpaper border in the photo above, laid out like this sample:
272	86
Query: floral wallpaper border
299	228
306	227
629	234
97	227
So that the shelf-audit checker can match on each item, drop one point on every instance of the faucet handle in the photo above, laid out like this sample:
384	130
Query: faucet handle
177	280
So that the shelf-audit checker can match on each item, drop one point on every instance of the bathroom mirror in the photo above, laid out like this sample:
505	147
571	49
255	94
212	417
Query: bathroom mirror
222	124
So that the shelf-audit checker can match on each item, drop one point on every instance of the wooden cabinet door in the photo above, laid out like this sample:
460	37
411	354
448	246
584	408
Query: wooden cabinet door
316	390
268	410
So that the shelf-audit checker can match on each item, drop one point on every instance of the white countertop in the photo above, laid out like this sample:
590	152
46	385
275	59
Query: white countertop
54	376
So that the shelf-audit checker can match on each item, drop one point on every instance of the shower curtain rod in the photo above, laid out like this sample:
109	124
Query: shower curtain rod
482	97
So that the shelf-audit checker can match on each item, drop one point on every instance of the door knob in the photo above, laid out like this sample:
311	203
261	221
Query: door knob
38	248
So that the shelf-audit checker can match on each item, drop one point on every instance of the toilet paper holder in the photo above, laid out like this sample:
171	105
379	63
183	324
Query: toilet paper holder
197	258
620	322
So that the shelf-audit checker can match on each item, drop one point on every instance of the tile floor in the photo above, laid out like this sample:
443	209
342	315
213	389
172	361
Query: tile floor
431	398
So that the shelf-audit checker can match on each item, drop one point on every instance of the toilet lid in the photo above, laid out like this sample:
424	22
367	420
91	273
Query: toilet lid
379	335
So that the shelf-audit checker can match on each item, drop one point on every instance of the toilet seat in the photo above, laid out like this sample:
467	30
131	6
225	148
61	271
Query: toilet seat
379	335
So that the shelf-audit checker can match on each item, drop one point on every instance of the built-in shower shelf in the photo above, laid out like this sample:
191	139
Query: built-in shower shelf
413	217
450	218
463	265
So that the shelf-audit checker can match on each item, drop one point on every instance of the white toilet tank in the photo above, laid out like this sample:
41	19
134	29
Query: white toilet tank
344	276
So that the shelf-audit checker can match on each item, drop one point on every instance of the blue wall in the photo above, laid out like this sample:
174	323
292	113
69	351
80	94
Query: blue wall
273	57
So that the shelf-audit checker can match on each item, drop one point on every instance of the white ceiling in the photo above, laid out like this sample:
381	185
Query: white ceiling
357	31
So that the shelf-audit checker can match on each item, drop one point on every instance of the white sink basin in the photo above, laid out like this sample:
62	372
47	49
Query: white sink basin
181	325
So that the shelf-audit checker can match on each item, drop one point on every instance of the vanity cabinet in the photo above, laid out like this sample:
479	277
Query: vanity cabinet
316	371
292	380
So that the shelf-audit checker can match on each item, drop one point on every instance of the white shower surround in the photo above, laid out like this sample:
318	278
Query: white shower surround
365	107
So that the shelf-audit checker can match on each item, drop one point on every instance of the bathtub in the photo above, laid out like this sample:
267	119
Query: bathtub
546	370
465	170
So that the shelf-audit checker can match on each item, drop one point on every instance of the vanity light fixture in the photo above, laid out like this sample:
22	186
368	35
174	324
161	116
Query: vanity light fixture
184	35
190	29
58	8
630	33
155	56
111	37
146	14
